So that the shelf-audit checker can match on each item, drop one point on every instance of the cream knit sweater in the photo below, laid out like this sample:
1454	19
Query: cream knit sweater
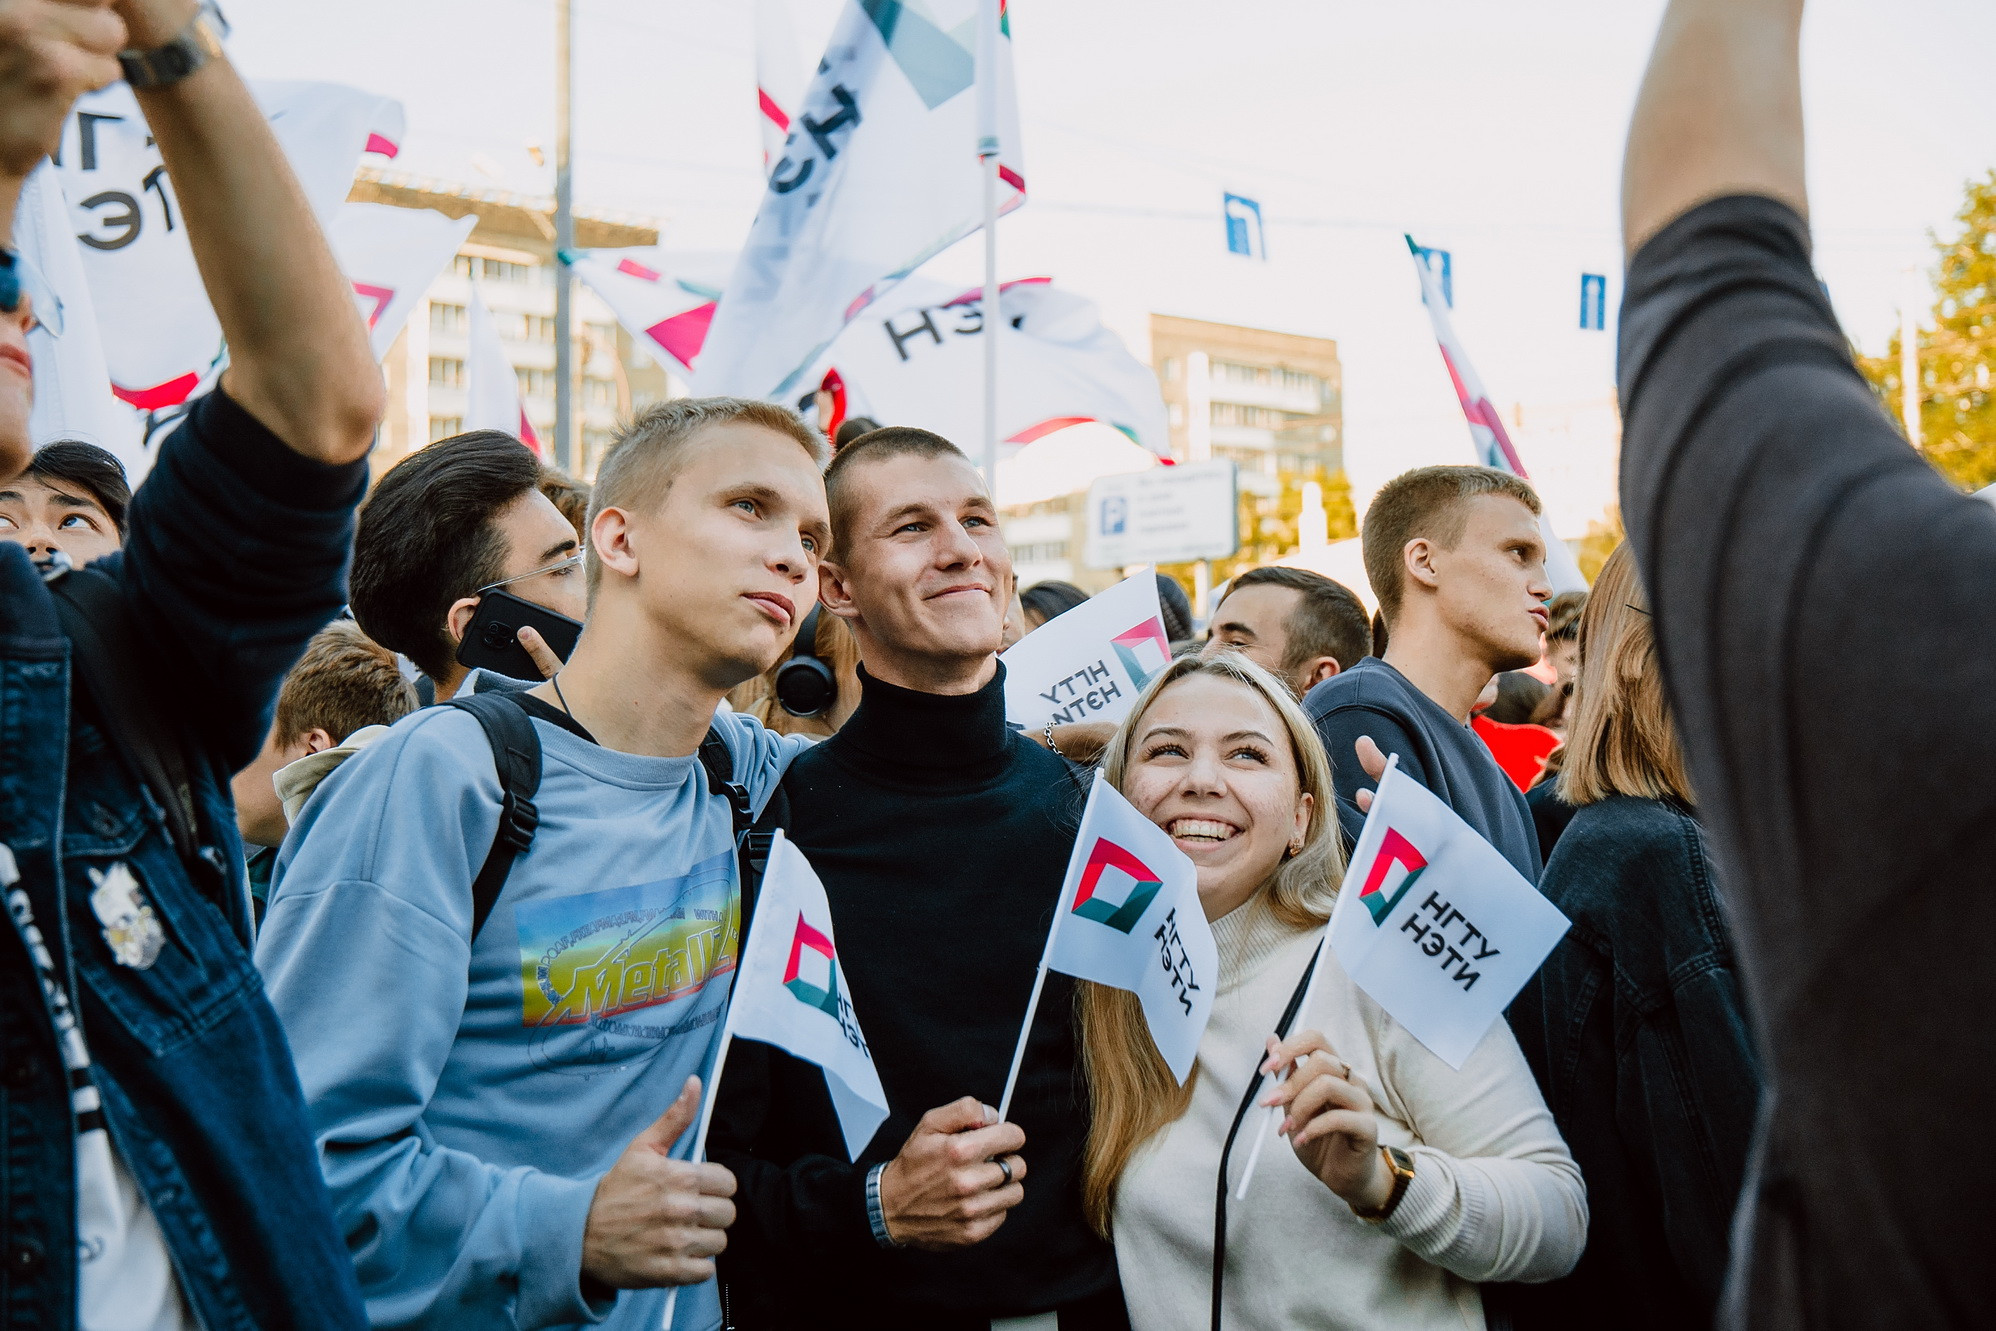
1495	1196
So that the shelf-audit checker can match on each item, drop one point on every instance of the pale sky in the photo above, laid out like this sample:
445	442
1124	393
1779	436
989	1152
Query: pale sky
1492	128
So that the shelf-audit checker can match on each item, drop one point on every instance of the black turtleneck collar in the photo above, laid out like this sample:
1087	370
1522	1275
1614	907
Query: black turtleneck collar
901	731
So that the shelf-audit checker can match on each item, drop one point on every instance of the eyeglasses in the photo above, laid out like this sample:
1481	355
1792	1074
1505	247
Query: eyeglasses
573	561
20	280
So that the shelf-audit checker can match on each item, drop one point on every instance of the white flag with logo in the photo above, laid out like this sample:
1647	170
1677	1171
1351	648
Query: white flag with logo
1129	916
492	388
664	301
917	359
791	992
1434	923
879	173
161	340
1486	426
391	256
1090	663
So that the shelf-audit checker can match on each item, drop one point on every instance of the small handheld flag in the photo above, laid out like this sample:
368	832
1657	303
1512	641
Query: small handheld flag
1449	931
1129	917
1090	663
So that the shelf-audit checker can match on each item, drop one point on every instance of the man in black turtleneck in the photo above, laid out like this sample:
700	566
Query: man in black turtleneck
942	837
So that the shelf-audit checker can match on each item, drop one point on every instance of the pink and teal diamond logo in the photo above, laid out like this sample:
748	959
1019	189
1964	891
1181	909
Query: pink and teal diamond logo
1144	650
1395	852
813	973
1116	887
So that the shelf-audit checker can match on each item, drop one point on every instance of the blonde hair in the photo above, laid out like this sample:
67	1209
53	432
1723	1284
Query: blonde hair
1131	1092
1621	740
648	452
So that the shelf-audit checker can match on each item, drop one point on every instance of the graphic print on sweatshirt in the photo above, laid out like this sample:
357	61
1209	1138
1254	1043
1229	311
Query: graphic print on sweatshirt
607	977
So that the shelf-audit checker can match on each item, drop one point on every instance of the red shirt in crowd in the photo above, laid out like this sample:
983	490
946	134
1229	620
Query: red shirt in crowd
1521	750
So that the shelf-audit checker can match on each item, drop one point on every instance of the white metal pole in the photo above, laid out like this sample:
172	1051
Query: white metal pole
987	160
564	241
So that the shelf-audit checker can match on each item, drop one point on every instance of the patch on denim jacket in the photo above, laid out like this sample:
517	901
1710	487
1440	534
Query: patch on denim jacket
131	926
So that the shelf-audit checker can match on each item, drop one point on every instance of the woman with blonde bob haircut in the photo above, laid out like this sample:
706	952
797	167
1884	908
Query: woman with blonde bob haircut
1635	1023
1402	1183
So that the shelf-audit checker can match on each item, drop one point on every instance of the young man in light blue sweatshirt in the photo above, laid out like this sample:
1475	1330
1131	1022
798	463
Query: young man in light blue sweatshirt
498	1114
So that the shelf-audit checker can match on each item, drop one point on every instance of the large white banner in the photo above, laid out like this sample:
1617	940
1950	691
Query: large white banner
918	359
780	76
391	256
1090	663
160	337
72	385
879	173
1434	923
1129	917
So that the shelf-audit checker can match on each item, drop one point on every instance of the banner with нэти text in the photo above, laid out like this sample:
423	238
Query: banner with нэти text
1434	924
880	173
1090	663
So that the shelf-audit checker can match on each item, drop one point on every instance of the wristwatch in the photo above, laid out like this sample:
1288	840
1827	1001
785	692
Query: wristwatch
195	45
1402	1166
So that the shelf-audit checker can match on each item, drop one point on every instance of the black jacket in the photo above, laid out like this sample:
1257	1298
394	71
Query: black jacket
1637	1033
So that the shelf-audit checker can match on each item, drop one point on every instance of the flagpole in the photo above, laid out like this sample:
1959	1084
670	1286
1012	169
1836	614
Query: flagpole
564	241
1303	1008
1040	980
987	161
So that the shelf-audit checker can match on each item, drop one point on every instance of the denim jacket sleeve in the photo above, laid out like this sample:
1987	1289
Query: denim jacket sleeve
235	554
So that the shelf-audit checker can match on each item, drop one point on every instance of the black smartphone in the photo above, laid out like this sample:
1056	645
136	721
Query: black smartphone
492	639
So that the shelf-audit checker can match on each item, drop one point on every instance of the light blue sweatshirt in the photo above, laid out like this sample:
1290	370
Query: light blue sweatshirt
467	1099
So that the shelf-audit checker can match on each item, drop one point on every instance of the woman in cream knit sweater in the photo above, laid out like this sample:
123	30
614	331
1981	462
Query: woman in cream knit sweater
1401	1183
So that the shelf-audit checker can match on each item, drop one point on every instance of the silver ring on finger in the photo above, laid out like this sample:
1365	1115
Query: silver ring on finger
1005	1166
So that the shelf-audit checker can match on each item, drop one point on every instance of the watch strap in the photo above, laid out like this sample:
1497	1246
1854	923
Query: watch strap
1401	1165
194	46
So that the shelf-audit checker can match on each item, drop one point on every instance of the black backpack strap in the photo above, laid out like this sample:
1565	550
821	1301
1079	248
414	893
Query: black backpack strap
516	753
105	651
753	835
1241	1113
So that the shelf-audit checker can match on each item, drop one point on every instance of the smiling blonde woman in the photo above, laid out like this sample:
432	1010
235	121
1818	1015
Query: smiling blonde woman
1402	1182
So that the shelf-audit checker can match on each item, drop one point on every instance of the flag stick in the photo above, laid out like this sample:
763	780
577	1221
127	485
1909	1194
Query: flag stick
987	161
1074	860
1303	1008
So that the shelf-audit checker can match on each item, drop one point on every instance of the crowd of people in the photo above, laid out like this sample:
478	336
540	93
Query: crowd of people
351	982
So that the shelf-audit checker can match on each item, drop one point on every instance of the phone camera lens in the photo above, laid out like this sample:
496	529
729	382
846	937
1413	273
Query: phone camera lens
497	635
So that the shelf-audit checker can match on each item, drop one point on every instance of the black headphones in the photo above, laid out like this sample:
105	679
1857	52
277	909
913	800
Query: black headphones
805	684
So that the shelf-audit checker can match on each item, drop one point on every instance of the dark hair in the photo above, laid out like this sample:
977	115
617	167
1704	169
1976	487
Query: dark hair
89	468
344	681
1430	502
1329	620
570	496
1050	599
1378	634
1175	606
894	441
1518	697
1563	616
852	428
426	538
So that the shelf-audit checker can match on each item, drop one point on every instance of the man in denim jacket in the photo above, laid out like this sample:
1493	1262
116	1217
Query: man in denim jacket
158	1169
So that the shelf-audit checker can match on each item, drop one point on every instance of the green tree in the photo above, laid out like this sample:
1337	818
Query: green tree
1957	355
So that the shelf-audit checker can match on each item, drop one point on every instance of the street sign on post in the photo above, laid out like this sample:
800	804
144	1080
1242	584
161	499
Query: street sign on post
1166	515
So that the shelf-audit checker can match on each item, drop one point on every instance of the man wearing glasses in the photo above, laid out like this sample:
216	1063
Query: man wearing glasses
446	525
